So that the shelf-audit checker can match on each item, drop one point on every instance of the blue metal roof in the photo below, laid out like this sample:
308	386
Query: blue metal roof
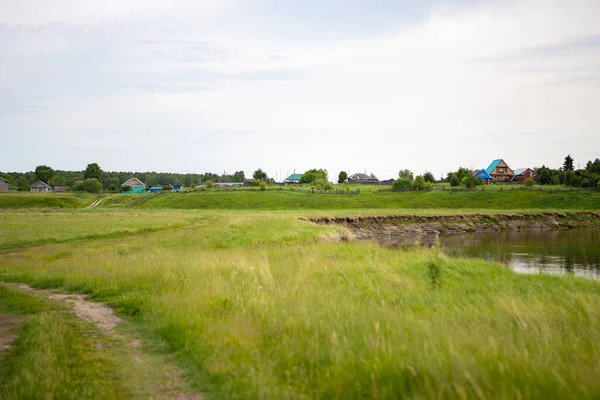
483	174
493	165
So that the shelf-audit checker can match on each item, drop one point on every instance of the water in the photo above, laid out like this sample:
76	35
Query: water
575	251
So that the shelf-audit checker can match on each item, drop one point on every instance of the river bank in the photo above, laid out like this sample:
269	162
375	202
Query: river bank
410	225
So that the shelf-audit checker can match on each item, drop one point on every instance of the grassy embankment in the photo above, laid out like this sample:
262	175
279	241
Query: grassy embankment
46	200
261	307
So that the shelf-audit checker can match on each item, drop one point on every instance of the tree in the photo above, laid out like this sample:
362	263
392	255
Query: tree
113	187
419	183
92	185
406	174
401	184
568	164
125	188
263	186
454	181
342	177
22	184
312	175
239	176
44	173
93	171
259	174
428	176
209	184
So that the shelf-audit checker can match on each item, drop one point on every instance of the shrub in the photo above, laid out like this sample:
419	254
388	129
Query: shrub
113	187
401	183
529	182
454	182
263	186
419	183
193	186
209	184
91	185
123	188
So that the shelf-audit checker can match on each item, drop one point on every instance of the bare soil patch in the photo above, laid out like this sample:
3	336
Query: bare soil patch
8	330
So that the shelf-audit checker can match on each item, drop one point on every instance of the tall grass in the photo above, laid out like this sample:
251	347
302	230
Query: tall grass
264	307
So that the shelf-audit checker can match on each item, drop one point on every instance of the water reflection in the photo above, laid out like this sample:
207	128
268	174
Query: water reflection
575	251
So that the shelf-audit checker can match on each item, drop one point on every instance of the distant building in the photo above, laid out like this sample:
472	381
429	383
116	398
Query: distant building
293	179
523	173
500	171
3	185
483	175
248	181
155	189
363	179
387	182
176	187
228	184
39	186
135	186
61	189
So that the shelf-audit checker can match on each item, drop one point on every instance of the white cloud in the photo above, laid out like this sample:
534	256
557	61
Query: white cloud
466	84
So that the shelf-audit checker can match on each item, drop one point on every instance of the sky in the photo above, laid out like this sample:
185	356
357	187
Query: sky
195	86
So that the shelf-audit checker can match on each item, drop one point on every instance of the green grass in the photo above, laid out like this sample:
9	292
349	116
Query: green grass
28	228
264	306
46	200
287	200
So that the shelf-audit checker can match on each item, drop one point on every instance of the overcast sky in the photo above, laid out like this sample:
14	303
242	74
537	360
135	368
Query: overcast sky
226	85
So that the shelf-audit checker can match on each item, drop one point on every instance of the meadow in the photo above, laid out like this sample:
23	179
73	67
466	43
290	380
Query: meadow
259	304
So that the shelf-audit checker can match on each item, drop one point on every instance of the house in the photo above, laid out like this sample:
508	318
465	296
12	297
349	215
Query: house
61	189
3	185
483	175
293	179
39	186
155	189
176	187
248	181
387	182
135	186
523	173
228	184
500	171
363	179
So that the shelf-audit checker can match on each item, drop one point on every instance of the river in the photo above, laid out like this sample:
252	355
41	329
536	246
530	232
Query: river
575	251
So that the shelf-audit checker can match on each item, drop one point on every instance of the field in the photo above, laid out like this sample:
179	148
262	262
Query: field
248	302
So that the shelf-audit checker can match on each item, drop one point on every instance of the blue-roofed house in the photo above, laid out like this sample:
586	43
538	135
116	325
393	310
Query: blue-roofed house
500	171
293	179
176	187
483	175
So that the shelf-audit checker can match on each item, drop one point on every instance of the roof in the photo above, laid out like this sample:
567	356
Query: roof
519	171
483	174
361	177
133	182
39	184
3	180
493	165
294	177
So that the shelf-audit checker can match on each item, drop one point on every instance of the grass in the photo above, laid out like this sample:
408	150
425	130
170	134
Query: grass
287	200
265	306
46	200
29	228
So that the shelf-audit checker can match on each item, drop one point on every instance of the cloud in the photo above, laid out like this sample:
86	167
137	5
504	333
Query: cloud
257	84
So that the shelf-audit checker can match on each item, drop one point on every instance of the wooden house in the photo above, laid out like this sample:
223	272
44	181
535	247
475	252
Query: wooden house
523	173
362	179
3	185
135	186
500	171
39	186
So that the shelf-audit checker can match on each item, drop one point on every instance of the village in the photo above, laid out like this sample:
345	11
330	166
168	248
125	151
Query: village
498	172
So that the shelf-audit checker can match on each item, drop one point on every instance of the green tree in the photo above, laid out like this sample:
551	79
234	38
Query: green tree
568	164
113	187
529	182
92	185
93	171
22	184
428	176
342	177
454	181
312	175
263	186
239	176
401	184
406	174
209	184
259	174
44	173
419	182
